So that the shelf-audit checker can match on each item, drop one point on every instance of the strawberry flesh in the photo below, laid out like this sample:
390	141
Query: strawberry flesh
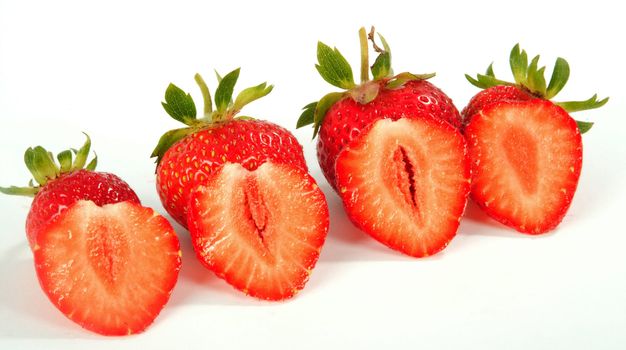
262	230
406	183
526	159
110	269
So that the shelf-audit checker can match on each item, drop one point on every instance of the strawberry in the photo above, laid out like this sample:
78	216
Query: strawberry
186	157
240	185
103	260
261	230
525	150
379	170
59	187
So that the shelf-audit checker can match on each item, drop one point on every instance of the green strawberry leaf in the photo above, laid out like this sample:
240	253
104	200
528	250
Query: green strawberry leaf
403	78
93	164
519	64
382	66
167	140
250	94
82	154
583	127
489	71
20	191
224	92
559	78
333	67
323	106
307	116
179	105
65	160
206	95
576	106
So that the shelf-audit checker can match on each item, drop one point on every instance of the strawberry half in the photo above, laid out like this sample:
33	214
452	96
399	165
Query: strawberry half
379	170
406	183
262	230
110	269
104	261
525	151
186	157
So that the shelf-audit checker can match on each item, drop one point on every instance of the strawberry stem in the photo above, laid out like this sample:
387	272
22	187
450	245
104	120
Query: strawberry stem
206	96
364	56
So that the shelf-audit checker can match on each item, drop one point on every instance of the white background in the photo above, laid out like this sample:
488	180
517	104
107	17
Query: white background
67	67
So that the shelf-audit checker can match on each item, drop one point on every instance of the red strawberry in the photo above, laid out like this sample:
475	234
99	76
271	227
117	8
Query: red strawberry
378	169
110	269
105	262
260	230
61	186
240	186
187	156
525	151
406	183
490	95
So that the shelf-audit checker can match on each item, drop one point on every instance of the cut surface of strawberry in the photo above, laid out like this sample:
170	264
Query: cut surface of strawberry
110	269
406	183
526	161
262	230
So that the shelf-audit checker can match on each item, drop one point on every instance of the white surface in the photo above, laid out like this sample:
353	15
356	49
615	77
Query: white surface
66	67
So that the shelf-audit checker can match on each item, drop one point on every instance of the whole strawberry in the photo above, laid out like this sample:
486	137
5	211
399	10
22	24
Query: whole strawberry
526	151
103	260
240	185
187	156
391	149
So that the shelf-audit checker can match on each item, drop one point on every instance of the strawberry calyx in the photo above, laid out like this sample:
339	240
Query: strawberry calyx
530	78
181	107
336	70
42	165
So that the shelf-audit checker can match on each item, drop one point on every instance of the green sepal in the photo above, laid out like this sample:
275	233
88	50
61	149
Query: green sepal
179	105
167	140
20	191
322	106
535	81
559	78
576	106
307	116
250	94
519	64
206	95
65	160
94	162
489	72
403	78
382	66
43	167
224	91
583	127
333	67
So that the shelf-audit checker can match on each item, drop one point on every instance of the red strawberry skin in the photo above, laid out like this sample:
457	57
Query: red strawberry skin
58	194
110	269
492	95
347	119
526	159
190	161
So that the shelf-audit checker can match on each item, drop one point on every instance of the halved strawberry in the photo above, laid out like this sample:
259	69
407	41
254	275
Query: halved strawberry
406	183
260	230
525	150
110	269
526	160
